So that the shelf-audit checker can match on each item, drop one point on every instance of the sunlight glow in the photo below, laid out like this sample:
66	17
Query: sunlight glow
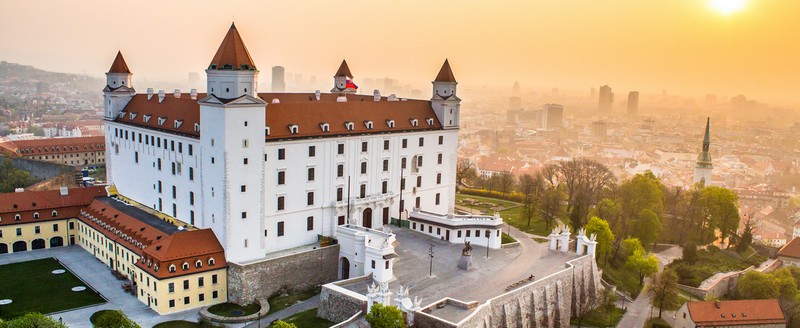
727	7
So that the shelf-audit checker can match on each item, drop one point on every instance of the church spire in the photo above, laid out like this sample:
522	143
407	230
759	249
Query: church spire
232	53
704	159
707	138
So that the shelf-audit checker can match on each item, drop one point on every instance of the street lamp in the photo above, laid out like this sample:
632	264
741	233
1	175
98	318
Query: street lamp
487	243
430	253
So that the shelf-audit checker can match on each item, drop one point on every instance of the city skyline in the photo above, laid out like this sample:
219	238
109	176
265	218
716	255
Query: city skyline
632	46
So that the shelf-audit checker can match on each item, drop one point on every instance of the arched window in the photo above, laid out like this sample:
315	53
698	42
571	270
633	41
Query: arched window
198	264
17	217
54	213
36	215
325	127
211	261
368	125
172	268
349	126
294	129
414	122
185	266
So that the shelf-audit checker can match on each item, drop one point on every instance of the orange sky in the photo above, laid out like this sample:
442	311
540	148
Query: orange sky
682	46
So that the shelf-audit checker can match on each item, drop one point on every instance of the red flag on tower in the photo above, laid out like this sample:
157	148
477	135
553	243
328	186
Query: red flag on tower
350	85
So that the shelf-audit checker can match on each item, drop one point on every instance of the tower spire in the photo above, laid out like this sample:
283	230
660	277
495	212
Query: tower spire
445	73
119	65
232	53
707	138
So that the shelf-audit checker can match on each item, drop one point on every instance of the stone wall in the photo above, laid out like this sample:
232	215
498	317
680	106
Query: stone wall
296	272
40	169
338	304
548	302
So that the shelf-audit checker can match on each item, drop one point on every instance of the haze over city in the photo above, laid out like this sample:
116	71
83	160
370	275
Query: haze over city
686	47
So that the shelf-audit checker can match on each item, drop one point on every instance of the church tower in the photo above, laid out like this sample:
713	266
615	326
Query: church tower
702	171
232	141
444	101
119	90
340	79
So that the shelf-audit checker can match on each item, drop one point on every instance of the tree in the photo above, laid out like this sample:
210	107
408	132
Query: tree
630	246
690	253
719	211
551	205
758	285
644	264
609	210
639	193
36	130
115	319
283	324
385	316
604	236
583	181
465	171
648	228
531	189
747	237
583	309
608	301
665	289
32	320
506	181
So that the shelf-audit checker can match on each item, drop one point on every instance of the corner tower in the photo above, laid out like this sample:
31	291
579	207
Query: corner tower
119	90
444	101
340	79
704	168
232	129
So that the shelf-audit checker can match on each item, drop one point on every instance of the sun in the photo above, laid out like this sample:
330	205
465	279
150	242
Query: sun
727	7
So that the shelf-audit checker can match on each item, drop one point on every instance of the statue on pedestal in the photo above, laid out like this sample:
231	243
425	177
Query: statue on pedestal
465	263
467	251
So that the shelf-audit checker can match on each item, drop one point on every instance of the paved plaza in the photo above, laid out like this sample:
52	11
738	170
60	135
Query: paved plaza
488	278
98	276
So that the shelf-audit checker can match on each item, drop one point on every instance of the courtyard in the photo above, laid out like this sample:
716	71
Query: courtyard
43	286
488	278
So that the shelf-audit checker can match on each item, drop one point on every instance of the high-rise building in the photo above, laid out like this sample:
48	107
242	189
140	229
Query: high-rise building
552	116
704	168
599	130
633	102
606	99
278	79
515	90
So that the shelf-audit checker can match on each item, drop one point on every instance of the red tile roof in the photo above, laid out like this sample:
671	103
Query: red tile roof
232	53
119	65
344	70
52	146
445	74
27	203
731	313
293	108
108	220
184	247
792	249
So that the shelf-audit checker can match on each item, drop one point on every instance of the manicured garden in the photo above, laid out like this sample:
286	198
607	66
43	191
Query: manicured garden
233	309
32	287
280	302
308	319
511	215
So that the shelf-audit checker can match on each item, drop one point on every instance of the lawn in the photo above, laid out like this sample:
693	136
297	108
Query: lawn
308	319
234	310
623	278
506	239
598	318
513	215
33	288
177	324
656	323
709	263
277	303
483	203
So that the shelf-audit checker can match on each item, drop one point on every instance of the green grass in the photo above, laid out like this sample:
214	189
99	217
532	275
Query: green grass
234	310
625	280
277	303
177	324
511	216
598	318
486	209
308	319
33	288
709	263
541	240
506	239
96	315
656	323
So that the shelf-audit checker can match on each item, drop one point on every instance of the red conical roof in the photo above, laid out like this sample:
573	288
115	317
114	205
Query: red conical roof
445	74
119	65
232	53
344	70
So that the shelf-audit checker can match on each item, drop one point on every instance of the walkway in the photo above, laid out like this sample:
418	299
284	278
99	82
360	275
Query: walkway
287	312
639	311
98	276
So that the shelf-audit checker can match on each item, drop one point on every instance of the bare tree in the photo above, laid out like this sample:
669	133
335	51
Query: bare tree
531	189
506	182
465	170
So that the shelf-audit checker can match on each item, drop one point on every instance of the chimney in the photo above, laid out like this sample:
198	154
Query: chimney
317	94
161	96
63	191
392	97
149	93
19	189
276	101
341	98
193	94
716	304
177	93
376	95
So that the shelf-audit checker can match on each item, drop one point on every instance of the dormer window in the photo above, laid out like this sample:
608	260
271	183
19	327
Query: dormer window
146	118
294	129
172	268
198	264
161	120
429	121
211	261
54	213
178	124
368	124
414	122
185	266
266	131
390	123
36	215
349	126
132	116
121	114
17	217
325	127
155	268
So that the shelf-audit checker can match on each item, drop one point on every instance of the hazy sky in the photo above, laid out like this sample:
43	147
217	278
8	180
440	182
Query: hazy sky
682	46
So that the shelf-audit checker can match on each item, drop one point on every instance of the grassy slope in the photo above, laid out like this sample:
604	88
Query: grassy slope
598	318
278	303
308	319
33	288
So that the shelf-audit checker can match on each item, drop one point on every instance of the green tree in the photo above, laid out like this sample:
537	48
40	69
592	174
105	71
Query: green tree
36	130
720	211
115	319
665	289
690	253
12	178
758	285
609	210
32	320
604	236
746	239
648	228
507	182
283	324
630	246
385	316
639	193
608	301
644	264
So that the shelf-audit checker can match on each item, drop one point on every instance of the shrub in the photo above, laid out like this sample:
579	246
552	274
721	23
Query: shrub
712	248
113	319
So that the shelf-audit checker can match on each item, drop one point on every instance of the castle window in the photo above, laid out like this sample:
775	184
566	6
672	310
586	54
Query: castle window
161	120
211	261
280	229
54	213
294	129
178	123
146	118
266	131
132	116
349	126
36	215
185	266
390	123
197	127
198	264
325	127
441	140
368	124
429	121
414	122
172	268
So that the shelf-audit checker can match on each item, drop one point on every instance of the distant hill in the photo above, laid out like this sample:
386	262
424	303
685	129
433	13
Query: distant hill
30	73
